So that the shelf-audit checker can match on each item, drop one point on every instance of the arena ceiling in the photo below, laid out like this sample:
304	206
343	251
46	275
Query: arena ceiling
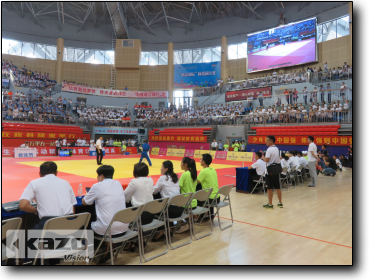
143	15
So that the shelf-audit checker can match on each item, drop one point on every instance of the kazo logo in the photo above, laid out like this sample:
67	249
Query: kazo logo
47	243
77	258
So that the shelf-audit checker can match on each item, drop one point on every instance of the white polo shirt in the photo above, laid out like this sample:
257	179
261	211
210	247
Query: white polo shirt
166	187
273	154
139	191
98	144
311	147
109	199
54	196
303	161
260	166
294	161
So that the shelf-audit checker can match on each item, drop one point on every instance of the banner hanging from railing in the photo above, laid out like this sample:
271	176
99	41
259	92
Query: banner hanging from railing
302	140
114	93
244	94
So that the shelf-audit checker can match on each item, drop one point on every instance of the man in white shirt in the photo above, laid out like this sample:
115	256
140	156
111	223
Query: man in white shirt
293	160
99	151
312	159
337	161
109	199
259	166
302	160
272	158
65	142
214	145
54	196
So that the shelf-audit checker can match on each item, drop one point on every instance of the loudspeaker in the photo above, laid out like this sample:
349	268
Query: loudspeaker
141	130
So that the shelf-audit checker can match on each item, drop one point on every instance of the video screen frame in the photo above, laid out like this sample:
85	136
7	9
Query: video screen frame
277	27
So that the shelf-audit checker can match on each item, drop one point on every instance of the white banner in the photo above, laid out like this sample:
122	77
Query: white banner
114	93
25	152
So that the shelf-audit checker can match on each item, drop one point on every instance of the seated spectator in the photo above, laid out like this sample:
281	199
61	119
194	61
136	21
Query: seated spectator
188	183
259	166
208	179
54	196
284	163
293	160
337	161
140	190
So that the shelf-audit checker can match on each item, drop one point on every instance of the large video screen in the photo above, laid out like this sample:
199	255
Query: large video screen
287	45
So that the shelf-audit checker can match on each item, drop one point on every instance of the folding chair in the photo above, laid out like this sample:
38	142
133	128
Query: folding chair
225	191
261	181
181	200
6	252
284	180
292	175
202	195
300	174
158	206
71	224
126	216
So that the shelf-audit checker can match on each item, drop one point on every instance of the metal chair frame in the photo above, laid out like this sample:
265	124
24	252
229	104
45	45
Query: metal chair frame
202	195
10	224
72	223
225	191
261	181
127	216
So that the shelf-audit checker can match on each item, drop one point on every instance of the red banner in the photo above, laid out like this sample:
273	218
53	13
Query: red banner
302	140
178	138
48	151
243	94
114	93
41	135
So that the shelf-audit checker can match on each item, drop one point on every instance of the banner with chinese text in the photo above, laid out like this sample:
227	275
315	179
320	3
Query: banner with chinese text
114	93
109	130
178	138
221	155
170	152
189	153
45	151
155	151
302	140
41	135
243	94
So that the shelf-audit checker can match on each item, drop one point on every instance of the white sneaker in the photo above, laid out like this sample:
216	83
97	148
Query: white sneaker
183	228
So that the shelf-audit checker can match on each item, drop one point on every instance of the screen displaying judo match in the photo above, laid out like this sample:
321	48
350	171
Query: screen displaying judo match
286	45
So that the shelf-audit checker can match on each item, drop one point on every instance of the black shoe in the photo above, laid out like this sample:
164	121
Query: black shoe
268	206
311	186
280	205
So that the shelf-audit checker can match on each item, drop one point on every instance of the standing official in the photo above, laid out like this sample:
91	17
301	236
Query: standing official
57	146
99	151
144	153
214	145
312	159
272	157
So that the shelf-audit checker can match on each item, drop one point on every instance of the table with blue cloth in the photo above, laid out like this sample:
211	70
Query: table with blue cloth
243	180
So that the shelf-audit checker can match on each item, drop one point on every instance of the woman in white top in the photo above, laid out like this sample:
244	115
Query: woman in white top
140	190
284	163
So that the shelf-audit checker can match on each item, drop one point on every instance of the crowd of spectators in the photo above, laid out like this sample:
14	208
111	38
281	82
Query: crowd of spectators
33	107
103	116
24	77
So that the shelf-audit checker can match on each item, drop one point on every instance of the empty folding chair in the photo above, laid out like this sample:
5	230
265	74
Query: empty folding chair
127	216
69	225
181	200
158	206
202	195
260	182
6	252
225	191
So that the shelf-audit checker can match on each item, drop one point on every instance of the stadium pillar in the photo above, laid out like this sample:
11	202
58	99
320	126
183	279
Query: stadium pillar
223	58
170	72
59	69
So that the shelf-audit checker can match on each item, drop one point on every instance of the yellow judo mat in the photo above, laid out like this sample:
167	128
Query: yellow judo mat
123	166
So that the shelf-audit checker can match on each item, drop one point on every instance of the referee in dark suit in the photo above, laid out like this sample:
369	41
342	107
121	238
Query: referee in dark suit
99	151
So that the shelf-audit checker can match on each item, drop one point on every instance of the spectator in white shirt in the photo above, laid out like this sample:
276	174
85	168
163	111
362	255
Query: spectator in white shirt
293	160
54	196
140	190
284	163
337	161
214	145
259	166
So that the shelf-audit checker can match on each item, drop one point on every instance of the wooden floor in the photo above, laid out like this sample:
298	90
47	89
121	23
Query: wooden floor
313	228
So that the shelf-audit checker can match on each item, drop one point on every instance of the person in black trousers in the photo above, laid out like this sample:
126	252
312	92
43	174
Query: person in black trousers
57	146
99	151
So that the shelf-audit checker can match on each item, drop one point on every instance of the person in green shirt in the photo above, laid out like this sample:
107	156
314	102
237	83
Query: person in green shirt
188	183
226	146
208	178
236	146
123	148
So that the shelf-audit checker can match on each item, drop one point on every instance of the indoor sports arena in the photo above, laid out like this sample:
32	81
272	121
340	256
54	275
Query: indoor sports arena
176	133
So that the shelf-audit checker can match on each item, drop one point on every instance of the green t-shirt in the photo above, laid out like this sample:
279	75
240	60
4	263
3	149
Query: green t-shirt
124	147
187	185
226	147
116	144
236	147
208	178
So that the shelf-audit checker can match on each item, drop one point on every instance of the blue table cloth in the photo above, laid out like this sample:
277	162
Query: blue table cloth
242	180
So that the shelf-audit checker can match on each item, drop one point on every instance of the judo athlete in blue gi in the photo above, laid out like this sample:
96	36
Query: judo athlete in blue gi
145	152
